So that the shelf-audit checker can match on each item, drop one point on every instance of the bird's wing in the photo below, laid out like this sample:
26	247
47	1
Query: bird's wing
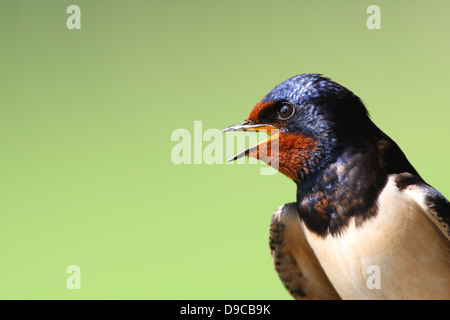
294	259
432	202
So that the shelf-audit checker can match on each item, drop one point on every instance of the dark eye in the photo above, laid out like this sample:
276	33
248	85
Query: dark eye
286	111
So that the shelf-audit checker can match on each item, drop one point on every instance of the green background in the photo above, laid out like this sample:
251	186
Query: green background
86	118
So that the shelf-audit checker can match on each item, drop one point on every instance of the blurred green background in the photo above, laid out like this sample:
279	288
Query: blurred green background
86	118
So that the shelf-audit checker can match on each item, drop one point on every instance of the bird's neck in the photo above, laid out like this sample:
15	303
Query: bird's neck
349	182
344	189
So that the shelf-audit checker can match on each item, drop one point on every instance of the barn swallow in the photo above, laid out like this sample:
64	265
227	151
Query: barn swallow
360	204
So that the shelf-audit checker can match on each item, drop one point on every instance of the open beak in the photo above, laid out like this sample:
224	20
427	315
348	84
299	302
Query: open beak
248	126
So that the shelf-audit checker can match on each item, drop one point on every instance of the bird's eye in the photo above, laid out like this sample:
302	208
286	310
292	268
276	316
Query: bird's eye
286	111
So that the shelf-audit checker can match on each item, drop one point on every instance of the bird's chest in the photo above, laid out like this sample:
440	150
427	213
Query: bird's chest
353	261
388	256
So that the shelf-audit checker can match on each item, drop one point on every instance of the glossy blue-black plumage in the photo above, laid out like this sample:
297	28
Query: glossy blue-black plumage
345	174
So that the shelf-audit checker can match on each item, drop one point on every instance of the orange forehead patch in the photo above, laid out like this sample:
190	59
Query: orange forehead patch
254	114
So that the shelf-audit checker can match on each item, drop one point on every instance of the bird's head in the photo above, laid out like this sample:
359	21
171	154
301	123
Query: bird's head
309	117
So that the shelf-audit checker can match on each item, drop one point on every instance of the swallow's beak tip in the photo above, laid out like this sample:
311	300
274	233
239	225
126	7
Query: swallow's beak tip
235	127
247	125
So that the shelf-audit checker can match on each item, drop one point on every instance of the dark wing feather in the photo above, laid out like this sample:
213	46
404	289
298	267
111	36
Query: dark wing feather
294	259
433	203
